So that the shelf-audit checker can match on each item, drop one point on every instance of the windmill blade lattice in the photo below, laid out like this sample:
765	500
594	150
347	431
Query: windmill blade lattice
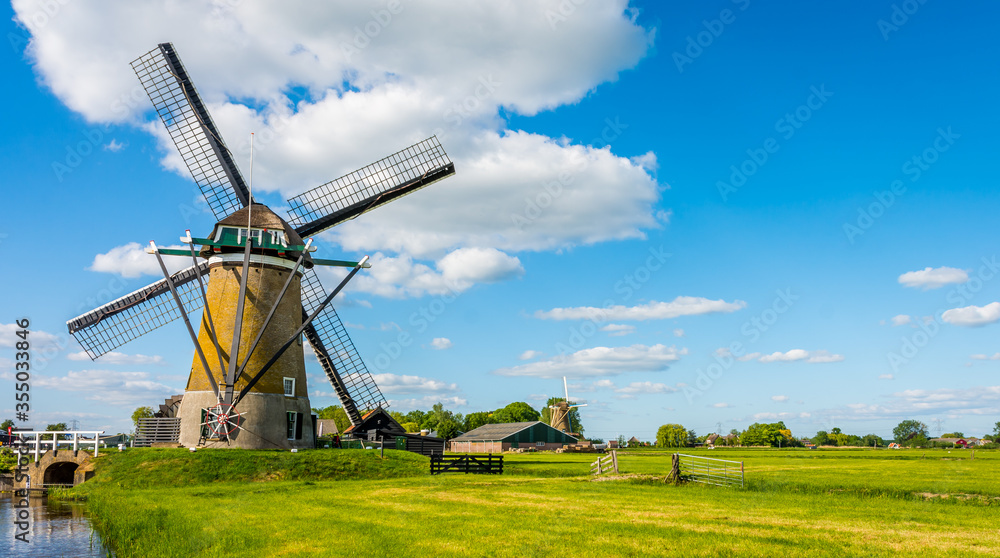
344	362
106	328
192	129
397	175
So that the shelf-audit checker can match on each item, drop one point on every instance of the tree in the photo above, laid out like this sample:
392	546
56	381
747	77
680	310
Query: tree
518	411
996	430
439	418
475	420
141	413
908	429
10	424
57	427
416	416
7	460
872	440
338	414
763	434
671	436
410	426
448	428
574	414
953	435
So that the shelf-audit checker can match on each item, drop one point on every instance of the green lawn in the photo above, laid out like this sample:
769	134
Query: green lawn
797	503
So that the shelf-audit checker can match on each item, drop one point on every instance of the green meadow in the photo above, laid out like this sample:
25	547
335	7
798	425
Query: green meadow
837	502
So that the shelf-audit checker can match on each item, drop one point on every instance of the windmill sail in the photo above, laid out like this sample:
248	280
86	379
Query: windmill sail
191	128
351	380
137	313
397	175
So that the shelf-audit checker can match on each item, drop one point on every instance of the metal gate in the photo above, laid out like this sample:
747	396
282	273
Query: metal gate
708	470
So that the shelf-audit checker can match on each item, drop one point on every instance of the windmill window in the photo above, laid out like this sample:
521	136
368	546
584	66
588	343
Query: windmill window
292	416
289	387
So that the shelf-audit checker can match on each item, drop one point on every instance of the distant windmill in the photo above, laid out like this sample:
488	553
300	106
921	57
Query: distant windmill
560	419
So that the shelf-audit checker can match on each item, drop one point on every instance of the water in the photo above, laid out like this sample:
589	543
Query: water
56	530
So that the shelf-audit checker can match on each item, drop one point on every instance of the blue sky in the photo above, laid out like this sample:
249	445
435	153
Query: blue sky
710	214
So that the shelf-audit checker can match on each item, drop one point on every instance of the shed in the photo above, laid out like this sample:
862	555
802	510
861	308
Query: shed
379	425
495	438
326	427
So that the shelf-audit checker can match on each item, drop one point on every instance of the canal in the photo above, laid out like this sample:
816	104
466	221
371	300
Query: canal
57	529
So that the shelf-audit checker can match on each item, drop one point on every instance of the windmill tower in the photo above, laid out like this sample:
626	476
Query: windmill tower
247	386
560	418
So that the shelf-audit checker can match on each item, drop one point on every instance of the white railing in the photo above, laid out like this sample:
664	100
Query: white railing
720	472
37	446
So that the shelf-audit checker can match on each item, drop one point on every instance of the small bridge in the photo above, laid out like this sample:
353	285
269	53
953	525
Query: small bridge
52	459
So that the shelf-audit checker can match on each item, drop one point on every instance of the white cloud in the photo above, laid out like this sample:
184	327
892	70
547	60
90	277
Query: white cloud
604	384
975	401
398	277
114	146
131	261
680	306
973	316
779	416
796	355
678	333
599	361
721	405
408	385
618	330
427	402
123	389
933	278
901	319
515	191
886	377
113	357
36	338
641	388
528	355
441	343
994	356
779	398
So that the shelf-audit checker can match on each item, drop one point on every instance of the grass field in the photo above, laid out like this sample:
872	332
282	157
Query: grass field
351	503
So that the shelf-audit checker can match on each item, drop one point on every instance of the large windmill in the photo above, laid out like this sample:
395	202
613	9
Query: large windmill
247	386
560	418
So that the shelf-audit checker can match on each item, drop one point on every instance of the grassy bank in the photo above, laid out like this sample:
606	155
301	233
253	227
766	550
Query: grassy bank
798	504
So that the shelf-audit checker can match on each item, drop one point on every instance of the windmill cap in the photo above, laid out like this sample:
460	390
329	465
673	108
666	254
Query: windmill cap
261	217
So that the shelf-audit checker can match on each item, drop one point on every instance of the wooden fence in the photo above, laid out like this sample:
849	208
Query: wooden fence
480	464
605	464
707	470
154	430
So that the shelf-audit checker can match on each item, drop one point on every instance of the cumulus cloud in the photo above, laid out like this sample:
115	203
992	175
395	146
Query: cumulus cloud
779	416
408	385
515	191
638	388
618	330
779	398
678	333
599	361
933	278
427	402
528	355
131	261
124	389
680	306
886	377
980	401
794	355
399	277
37	338
973	316
901	319
113	357
441	343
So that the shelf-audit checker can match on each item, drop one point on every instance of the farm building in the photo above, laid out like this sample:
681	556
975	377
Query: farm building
496	438
378	426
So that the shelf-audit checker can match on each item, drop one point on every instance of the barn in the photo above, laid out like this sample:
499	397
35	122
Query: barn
379	426
496	438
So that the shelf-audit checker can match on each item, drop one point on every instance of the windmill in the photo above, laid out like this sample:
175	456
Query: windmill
254	275
560	419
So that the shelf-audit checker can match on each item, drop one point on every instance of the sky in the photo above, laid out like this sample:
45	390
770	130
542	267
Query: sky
711	214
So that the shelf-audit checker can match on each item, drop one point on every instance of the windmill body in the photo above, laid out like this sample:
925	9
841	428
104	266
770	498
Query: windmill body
560	417
276	410
247	384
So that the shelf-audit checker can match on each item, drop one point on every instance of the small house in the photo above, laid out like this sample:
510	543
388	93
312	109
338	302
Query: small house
378	426
497	438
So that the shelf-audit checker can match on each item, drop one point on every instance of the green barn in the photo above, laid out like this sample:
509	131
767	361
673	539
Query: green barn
497	438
